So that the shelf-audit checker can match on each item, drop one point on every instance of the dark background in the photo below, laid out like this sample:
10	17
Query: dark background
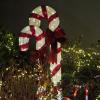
78	17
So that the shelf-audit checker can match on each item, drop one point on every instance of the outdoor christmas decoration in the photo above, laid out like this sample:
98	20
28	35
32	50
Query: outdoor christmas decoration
50	38
80	66
86	92
35	73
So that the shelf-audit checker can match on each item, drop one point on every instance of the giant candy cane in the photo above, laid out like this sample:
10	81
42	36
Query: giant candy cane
34	30
53	20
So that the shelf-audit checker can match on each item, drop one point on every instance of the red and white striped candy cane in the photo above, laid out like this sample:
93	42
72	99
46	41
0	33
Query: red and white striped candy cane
53	19
86	93
33	29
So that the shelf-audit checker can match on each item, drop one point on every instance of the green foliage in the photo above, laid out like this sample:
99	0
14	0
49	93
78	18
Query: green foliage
7	45
79	66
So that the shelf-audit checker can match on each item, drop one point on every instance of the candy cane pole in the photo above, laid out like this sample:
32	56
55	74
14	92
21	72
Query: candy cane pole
86	93
55	69
51	16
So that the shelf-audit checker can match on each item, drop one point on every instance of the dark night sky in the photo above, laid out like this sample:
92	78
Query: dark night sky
77	16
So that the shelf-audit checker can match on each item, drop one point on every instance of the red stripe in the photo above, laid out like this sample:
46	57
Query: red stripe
40	36
44	11
25	35
59	50
52	17
32	29
58	29
86	92
23	46
55	70
37	16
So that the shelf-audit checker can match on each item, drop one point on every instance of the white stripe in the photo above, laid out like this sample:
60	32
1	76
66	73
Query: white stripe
50	11
38	10
56	78
54	24
38	31
23	40
34	21
86	97
26	30
40	44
